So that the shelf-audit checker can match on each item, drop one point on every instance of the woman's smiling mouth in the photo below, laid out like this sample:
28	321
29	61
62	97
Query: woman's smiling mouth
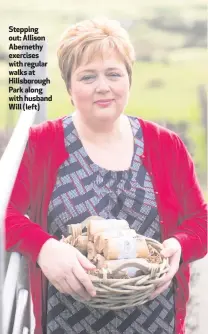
104	102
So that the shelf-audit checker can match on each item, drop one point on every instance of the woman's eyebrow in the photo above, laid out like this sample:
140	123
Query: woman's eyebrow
113	69
93	70
87	70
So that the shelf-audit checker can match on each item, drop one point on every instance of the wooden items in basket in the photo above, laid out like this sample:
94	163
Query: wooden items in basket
129	266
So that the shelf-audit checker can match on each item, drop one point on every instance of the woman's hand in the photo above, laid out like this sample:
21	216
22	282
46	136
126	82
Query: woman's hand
172	251
64	266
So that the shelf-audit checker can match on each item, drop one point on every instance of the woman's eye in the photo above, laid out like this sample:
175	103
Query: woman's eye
88	77
114	74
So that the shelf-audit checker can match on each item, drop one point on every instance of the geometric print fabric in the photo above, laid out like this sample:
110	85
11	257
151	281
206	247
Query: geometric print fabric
84	189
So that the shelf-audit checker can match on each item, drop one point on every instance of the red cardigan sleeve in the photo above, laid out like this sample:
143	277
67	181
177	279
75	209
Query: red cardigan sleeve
23	235
192	230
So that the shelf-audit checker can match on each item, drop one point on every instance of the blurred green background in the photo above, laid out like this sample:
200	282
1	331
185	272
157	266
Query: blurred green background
169	76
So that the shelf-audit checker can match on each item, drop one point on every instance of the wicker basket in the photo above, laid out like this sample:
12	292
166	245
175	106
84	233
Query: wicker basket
117	294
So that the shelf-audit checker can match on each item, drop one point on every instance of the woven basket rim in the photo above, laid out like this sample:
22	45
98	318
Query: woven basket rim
120	293
152	266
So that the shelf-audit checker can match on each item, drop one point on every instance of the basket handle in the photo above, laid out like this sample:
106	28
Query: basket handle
143	266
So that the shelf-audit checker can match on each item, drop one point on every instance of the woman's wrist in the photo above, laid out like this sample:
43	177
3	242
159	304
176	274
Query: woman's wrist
48	244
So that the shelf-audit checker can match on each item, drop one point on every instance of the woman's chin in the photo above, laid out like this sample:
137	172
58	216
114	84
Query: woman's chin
106	114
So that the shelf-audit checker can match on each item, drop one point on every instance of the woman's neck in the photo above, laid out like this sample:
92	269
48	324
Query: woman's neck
103	132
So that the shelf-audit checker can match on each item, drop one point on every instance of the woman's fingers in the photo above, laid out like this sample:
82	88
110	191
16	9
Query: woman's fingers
160	290
167	279
63	287
84	279
84	262
65	268
76	286
174	265
172	250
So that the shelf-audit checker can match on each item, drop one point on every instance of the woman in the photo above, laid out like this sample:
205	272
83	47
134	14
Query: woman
101	162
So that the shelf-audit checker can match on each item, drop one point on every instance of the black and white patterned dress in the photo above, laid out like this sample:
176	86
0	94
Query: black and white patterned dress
84	189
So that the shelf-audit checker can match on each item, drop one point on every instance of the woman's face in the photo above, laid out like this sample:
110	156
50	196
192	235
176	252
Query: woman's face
100	89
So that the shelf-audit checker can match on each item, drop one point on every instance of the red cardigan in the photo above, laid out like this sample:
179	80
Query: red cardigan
181	206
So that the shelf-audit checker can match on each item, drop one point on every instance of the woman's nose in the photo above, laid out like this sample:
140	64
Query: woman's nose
102	85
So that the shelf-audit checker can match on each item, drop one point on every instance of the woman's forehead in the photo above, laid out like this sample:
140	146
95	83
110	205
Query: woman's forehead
105	60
